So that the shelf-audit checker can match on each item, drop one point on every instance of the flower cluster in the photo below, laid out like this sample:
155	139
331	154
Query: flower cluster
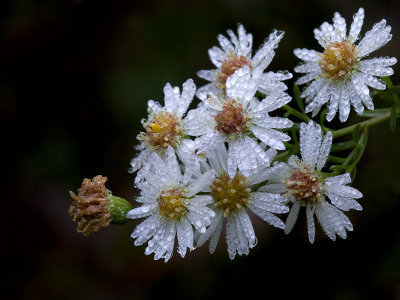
206	168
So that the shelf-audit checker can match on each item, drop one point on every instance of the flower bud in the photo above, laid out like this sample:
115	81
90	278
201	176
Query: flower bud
95	207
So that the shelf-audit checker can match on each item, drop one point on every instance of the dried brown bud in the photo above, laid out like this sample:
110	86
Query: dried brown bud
90	208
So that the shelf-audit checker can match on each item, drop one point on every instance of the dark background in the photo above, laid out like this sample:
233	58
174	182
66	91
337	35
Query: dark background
75	77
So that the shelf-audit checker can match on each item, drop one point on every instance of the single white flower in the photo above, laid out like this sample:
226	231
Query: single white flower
235	54
232	197
340	76
164	126
240	119
304	185
171	204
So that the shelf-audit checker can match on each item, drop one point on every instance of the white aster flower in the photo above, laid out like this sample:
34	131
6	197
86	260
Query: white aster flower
304	185
236	53
164	126
340	76
232	197
240	119
172	204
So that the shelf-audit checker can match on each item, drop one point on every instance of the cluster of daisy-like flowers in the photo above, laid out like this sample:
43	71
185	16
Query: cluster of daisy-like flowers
206	168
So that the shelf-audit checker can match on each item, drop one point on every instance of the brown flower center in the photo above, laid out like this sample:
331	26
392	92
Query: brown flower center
162	130
230	194
229	66
305	185
338	60
172	203
231	119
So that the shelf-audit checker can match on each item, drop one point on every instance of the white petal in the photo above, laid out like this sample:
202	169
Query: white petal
292	217
324	150
171	99
188	91
340	25
266	49
310	142
217	56
310	224
207	75
241	86
202	182
307	55
374	39
272	138
358	20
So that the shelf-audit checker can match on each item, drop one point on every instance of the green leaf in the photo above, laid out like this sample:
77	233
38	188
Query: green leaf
299	101
394	90
393	118
322	117
337	168
359	150
343	146
335	159
356	132
374	113
353	173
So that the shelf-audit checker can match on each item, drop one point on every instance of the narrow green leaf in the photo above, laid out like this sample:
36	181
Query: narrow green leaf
294	135
299	101
343	146
322	117
394	90
359	150
374	113
393	118
356	132
353	173
336	168
335	159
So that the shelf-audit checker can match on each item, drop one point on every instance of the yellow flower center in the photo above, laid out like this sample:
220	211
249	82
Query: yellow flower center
172	203
229	66
230	194
305	185
338	60
162	130
231	119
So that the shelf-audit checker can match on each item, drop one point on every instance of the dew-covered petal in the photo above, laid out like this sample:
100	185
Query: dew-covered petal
340	25
310	142
292	217
358	20
307	55
188	91
310	224
374	39
271	137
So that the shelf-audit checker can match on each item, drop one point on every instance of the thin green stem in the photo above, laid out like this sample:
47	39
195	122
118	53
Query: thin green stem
370	122
296	113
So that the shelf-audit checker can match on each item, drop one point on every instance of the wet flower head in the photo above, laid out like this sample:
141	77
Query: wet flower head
338	60
231	119
162	130
230	194
340	77
90	208
229	66
172	203
305	185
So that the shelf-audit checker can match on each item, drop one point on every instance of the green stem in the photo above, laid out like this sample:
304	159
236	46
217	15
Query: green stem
296	113
370	122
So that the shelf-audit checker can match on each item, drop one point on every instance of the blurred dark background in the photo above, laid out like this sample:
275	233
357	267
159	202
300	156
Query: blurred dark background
75	77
